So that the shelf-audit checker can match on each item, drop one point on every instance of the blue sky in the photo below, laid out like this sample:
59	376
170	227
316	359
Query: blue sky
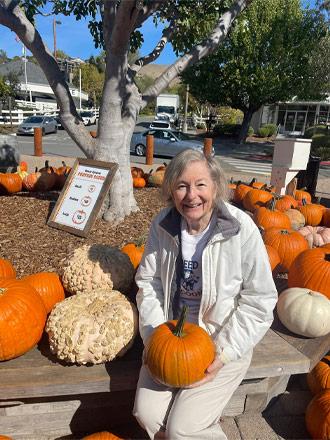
74	38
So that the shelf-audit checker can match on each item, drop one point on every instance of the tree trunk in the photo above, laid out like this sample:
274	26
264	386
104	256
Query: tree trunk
245	125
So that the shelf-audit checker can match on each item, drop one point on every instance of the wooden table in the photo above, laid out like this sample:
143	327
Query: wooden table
40	395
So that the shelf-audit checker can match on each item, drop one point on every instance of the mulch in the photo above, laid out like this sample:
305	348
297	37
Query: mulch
32	246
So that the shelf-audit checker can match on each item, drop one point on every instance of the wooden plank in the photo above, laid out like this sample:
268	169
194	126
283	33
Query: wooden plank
313	348
273	356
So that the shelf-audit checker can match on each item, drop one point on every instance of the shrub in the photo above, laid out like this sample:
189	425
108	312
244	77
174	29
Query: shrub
229	116
315	130
321	140
226	129
321	152
263	132
200	125
250	131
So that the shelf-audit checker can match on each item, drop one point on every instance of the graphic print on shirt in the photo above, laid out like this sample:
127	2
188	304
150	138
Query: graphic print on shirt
190	280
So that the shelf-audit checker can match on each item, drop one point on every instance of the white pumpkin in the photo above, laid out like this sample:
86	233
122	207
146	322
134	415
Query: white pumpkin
304	312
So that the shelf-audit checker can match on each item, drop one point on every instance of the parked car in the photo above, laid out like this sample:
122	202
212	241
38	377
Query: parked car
166	142
47	123
88	117
59	123
162	124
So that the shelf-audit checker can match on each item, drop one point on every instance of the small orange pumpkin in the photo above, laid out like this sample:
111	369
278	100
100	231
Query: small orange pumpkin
134	252
318	378
317	416
49	287
7	270
10	183
29	182
139	182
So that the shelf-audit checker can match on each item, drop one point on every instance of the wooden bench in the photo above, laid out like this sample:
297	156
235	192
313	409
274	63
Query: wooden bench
42	396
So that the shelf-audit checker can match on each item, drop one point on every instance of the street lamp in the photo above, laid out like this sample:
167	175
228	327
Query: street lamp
55	22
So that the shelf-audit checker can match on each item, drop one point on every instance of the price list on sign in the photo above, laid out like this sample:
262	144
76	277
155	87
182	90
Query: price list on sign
82	196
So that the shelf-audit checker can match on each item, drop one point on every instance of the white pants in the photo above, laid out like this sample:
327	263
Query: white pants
188	413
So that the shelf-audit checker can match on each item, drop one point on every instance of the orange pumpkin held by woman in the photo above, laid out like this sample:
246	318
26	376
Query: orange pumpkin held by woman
189	351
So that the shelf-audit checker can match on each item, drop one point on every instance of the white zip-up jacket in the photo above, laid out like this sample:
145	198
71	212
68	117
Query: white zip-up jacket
238	295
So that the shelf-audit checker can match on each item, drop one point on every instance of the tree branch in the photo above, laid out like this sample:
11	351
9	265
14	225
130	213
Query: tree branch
201	50
147	11
152	56
13	17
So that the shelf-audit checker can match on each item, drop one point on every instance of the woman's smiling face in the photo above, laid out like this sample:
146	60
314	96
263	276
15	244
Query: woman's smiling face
193	196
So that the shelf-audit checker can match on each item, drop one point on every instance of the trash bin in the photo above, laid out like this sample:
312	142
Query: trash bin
308	178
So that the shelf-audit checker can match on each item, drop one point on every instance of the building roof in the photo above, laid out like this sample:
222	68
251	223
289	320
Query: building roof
34	72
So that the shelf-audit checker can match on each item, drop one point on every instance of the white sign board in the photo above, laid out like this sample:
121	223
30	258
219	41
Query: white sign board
82	196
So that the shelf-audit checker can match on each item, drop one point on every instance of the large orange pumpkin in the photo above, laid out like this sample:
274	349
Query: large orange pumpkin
285	202
22	318
49	287
268	217
326	218
240	191
10	183
288	243
134	252
7	270
311	269
256	198
274	258
318	378
312	212
104	435
317	416
178	353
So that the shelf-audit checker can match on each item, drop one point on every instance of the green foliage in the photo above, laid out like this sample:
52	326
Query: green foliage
228	115
263	132
315	130
320	140
268	130
250	131
3	56
265	59
226	129
92	82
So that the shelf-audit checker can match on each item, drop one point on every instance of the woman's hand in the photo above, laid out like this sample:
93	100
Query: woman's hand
211	372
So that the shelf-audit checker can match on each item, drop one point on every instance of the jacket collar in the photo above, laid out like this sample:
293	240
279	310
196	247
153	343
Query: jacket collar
227	225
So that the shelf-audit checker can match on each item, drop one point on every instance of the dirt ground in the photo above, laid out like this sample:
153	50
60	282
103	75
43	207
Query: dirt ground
32	246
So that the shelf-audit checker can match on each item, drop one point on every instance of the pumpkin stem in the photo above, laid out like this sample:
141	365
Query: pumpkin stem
327	256
272	204
303	201
178	330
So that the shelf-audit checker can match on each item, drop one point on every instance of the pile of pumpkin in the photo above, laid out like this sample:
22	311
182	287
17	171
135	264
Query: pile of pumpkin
296	233
46	178
318	409
84	309
152	178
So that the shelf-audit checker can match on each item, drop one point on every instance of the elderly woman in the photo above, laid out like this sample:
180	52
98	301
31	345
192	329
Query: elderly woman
207	254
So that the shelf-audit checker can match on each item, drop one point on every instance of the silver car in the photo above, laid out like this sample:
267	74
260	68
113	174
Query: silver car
166	142
47	123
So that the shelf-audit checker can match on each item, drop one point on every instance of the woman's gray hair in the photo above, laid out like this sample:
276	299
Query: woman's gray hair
180	162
